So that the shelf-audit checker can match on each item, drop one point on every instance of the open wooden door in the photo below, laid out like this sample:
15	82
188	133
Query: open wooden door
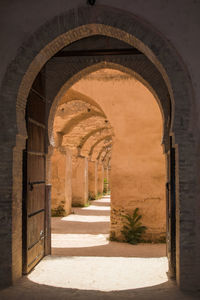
35	204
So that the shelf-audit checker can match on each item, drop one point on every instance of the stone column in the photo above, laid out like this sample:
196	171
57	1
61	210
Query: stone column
92	179
80	181
100	178
61	194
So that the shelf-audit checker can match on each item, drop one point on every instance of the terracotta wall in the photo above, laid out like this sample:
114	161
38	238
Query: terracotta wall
137	176
61	175
138	162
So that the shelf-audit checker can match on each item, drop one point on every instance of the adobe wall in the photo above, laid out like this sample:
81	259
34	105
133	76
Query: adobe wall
20	20
100	178
92	179
80	182
138	172
61	176
170	18
138	163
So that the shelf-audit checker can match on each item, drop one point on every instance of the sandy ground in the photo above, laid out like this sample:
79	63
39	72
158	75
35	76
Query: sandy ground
85	265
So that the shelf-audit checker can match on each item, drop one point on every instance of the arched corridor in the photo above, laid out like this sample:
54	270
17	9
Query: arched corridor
66	138
131	123
105	110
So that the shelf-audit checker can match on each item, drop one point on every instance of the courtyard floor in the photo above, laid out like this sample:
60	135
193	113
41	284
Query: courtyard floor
85	265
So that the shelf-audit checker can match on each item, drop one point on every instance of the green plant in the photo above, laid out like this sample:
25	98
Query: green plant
87	204
162	239
133	228
91	197
105	186
81	205
98	196
58	211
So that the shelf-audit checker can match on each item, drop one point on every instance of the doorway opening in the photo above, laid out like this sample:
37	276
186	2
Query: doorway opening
162	71
106	109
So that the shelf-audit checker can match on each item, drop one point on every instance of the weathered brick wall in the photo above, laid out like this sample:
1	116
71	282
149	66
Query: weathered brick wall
24	59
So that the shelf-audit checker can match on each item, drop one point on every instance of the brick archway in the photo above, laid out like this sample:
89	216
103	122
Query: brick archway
74	25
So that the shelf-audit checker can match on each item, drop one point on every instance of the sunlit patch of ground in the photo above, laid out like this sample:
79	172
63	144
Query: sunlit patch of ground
79	218
100	273
91	207
78	240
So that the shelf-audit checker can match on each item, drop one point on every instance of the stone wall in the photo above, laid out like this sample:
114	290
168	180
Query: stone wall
26	40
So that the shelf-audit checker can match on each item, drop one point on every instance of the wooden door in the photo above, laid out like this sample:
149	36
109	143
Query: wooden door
34	206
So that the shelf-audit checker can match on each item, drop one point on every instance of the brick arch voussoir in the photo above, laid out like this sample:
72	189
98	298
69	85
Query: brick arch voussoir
73	122
106	149
91	133
107	156
99	141
67	28
82	22
73	95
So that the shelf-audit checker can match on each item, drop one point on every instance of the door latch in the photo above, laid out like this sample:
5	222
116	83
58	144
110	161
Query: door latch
30	186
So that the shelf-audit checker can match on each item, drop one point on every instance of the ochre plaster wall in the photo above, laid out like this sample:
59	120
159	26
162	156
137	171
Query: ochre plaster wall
100	178
61	194
138	163
80	181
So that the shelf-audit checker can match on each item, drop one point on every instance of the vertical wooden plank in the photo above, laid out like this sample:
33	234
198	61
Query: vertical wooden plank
34	188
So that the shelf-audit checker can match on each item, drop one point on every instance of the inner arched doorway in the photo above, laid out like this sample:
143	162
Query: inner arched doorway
90	138
54	90
59	86
68	110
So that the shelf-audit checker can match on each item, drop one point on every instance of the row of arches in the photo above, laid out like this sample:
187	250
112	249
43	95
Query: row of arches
137	157
82	151
162	71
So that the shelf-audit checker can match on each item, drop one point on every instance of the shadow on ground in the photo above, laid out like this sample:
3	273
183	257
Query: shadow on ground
114	249
28	290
